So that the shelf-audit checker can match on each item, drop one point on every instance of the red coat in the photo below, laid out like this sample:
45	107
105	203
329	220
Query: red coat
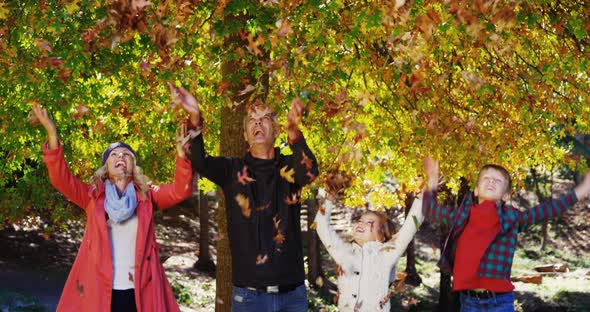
89	284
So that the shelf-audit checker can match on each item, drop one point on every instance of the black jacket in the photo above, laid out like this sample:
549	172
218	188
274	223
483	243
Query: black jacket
263	211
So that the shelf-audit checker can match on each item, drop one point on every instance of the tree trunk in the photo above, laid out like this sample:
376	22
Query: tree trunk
238	73
204	263
412	276
541	198
232	145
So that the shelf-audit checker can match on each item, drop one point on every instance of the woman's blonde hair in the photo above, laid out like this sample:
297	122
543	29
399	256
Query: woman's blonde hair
139	179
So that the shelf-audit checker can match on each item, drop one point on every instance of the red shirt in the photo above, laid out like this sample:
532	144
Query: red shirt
480	231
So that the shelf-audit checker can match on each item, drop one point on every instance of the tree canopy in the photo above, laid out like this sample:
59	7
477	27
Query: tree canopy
384	83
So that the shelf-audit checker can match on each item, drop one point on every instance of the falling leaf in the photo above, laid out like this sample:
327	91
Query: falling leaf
284	28
288	175
249	88
243	177
279	238
313	226
323	210
46	236
292	200
219	300
306	161
80	288
130	276
338	270
222	86
81	110
263	207
244	203
401	276
43	45
261	259
139	4
358	306
416	223
336	297
319	281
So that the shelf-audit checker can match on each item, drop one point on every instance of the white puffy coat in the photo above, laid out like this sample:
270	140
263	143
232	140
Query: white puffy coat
367	269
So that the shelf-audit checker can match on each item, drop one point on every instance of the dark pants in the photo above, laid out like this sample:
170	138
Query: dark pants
123	301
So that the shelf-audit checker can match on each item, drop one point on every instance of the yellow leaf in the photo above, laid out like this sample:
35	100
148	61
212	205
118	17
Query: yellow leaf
288	174
3	11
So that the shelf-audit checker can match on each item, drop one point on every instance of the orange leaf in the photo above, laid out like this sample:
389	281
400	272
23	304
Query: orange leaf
279	238
80	288
43	45
292	200
243	177
284	28
261	259
263	207
244	203
288	174
319	281
313	226
222	86
81	110
306	161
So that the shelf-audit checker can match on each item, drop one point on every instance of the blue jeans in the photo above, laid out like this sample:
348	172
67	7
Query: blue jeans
245	300
500	303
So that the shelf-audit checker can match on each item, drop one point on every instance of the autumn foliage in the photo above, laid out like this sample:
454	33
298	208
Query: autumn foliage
383	83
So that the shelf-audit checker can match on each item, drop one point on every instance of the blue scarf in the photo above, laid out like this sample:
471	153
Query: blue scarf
118	208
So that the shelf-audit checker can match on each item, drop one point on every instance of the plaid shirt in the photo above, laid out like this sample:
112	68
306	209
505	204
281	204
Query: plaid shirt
496	261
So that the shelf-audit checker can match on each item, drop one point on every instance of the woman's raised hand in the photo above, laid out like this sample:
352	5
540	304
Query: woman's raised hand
40	115
188	102
182	138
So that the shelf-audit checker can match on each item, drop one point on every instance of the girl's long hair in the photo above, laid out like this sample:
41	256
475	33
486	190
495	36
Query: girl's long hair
386	228
139	179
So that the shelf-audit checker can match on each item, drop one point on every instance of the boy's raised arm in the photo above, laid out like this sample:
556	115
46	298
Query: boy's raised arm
431	209
582	190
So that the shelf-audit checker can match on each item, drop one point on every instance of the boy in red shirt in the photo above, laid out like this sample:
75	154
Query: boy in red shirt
480	247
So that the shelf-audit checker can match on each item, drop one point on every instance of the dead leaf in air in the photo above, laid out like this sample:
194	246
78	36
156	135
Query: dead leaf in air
244	203
243	177
288	174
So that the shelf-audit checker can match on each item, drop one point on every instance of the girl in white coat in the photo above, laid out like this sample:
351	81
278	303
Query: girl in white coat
368	262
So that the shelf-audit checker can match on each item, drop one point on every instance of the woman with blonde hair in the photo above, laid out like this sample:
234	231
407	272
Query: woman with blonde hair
117	267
